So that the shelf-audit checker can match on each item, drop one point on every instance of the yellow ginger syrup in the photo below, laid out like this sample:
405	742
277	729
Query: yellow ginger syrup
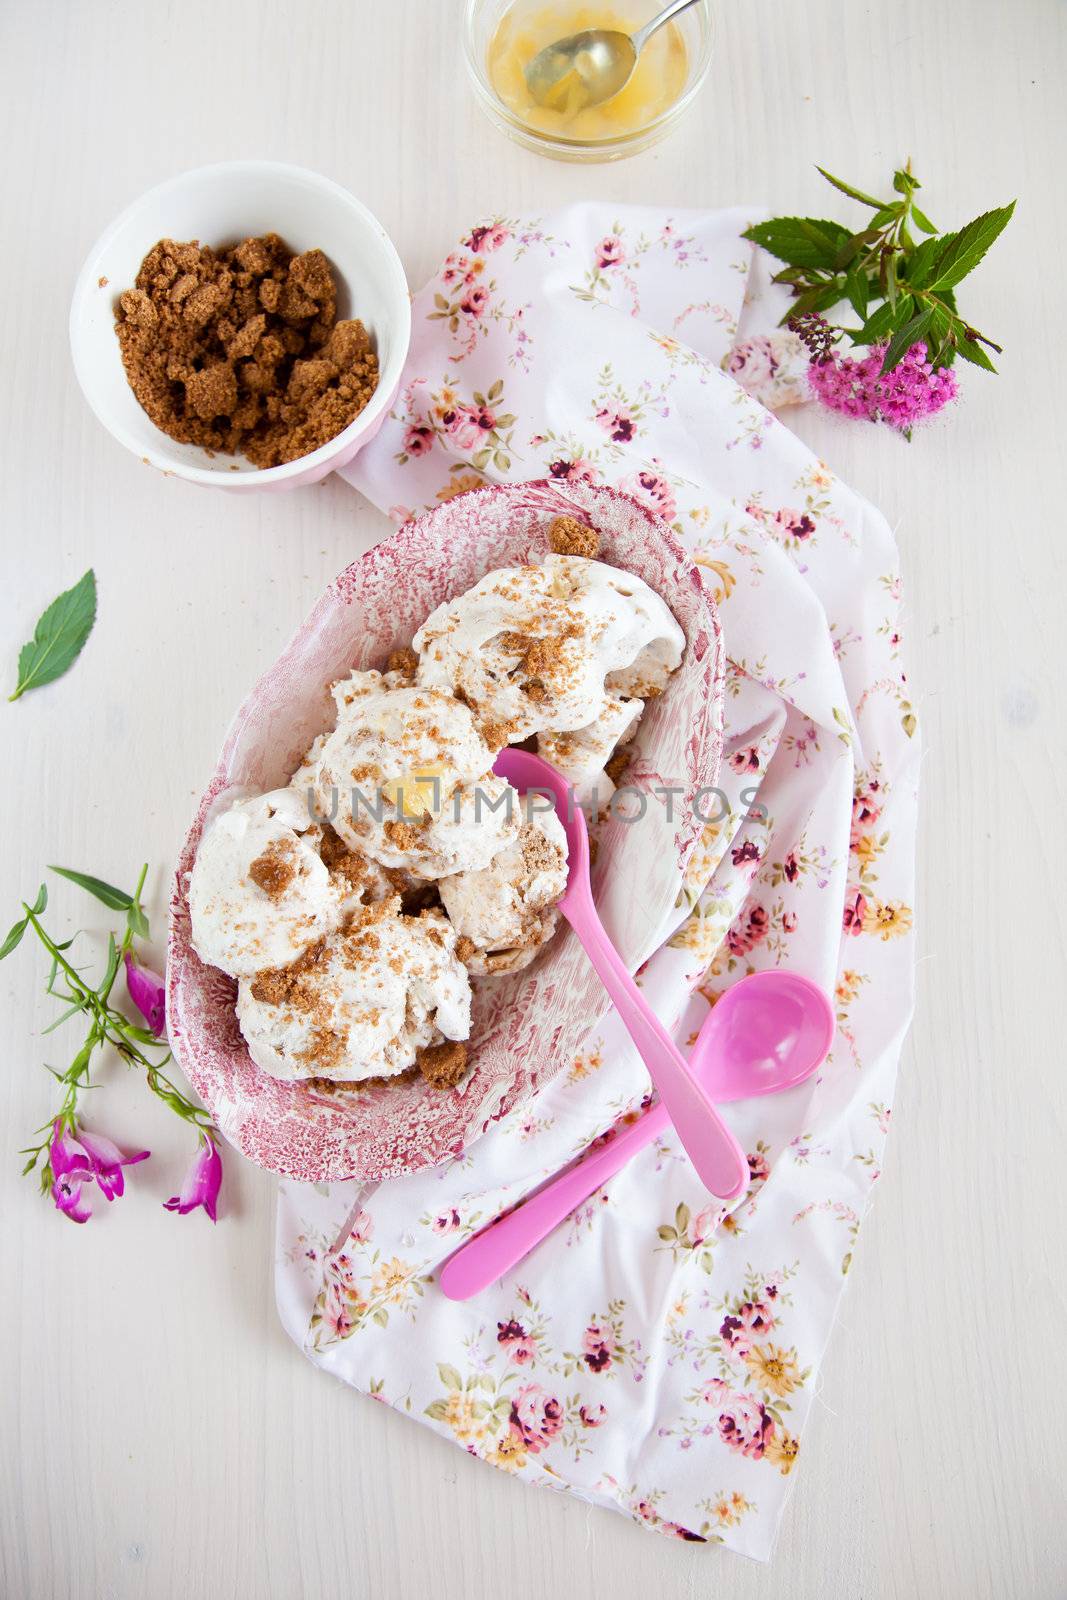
529	25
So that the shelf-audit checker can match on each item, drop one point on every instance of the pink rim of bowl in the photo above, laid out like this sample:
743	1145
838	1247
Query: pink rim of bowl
221	205
528	1026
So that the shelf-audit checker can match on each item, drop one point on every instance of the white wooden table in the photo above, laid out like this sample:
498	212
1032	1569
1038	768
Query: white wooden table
160	1436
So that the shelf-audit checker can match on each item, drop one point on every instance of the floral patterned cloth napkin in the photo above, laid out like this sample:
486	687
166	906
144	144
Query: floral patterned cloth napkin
658	1355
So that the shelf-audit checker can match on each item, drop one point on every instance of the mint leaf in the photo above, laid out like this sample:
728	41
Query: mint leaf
846	188
114	898
965	249
800	241
58	637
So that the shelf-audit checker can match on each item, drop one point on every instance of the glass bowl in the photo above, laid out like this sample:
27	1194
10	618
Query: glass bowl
480	22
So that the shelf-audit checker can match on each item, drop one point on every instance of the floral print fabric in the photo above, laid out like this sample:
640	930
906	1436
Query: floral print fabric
657	1355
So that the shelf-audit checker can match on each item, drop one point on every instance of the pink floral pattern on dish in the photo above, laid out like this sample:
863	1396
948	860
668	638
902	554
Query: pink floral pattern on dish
526	1028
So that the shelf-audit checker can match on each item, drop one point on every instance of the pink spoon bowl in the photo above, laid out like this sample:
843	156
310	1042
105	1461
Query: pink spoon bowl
768	1033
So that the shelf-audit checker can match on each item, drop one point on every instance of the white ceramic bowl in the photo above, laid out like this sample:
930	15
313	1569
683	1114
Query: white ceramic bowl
221	205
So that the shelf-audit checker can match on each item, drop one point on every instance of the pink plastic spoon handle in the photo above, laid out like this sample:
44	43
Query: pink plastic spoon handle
501	1246
718	1158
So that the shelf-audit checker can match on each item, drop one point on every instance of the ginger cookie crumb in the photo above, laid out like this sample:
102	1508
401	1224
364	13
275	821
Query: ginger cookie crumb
442	1065
569	537
273	871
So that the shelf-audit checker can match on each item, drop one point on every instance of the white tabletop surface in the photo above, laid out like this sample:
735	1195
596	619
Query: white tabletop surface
160	1435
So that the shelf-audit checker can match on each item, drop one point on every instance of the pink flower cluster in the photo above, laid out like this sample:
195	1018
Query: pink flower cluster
901	398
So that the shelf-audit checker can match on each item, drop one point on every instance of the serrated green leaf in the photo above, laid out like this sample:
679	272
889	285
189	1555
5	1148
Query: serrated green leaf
921	263
904	338
967	247
846	188
59	636
800	241
921	220
972	351
115	899
877	327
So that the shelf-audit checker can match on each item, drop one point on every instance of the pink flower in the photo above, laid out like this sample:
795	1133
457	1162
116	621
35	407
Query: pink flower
746	934
745	1425
597	1344
749	851
704	1224
518	1343
751	1322
148	992
789	922
475	301
455	267
791	867
418	439
746	760
81	1158
654	490
465	425
753	362
794	524
577	471
487	238
866	808
536	1417
855	912
758	1170
910	393
202	1181
609	252
447	1222
592	1416
618	425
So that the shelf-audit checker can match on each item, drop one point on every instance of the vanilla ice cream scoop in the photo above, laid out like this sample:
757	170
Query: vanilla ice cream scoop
406	778
582	755
259	892
530	648
505	912
361	1004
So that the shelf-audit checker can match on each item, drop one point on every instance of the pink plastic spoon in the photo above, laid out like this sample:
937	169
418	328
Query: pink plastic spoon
767	1033
711	1147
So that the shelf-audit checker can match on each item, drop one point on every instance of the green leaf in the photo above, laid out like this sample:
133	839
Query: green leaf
449	1376
58	637
846	188
681	1217
112	966
921	263
883	218
800	241
964	250
972	351
905	337
114	898
14	937
857	291
921	220
137	922
877	327
904	183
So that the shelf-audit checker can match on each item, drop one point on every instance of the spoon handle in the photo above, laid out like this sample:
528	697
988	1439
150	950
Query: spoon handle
643	35
711	1147
501	1246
